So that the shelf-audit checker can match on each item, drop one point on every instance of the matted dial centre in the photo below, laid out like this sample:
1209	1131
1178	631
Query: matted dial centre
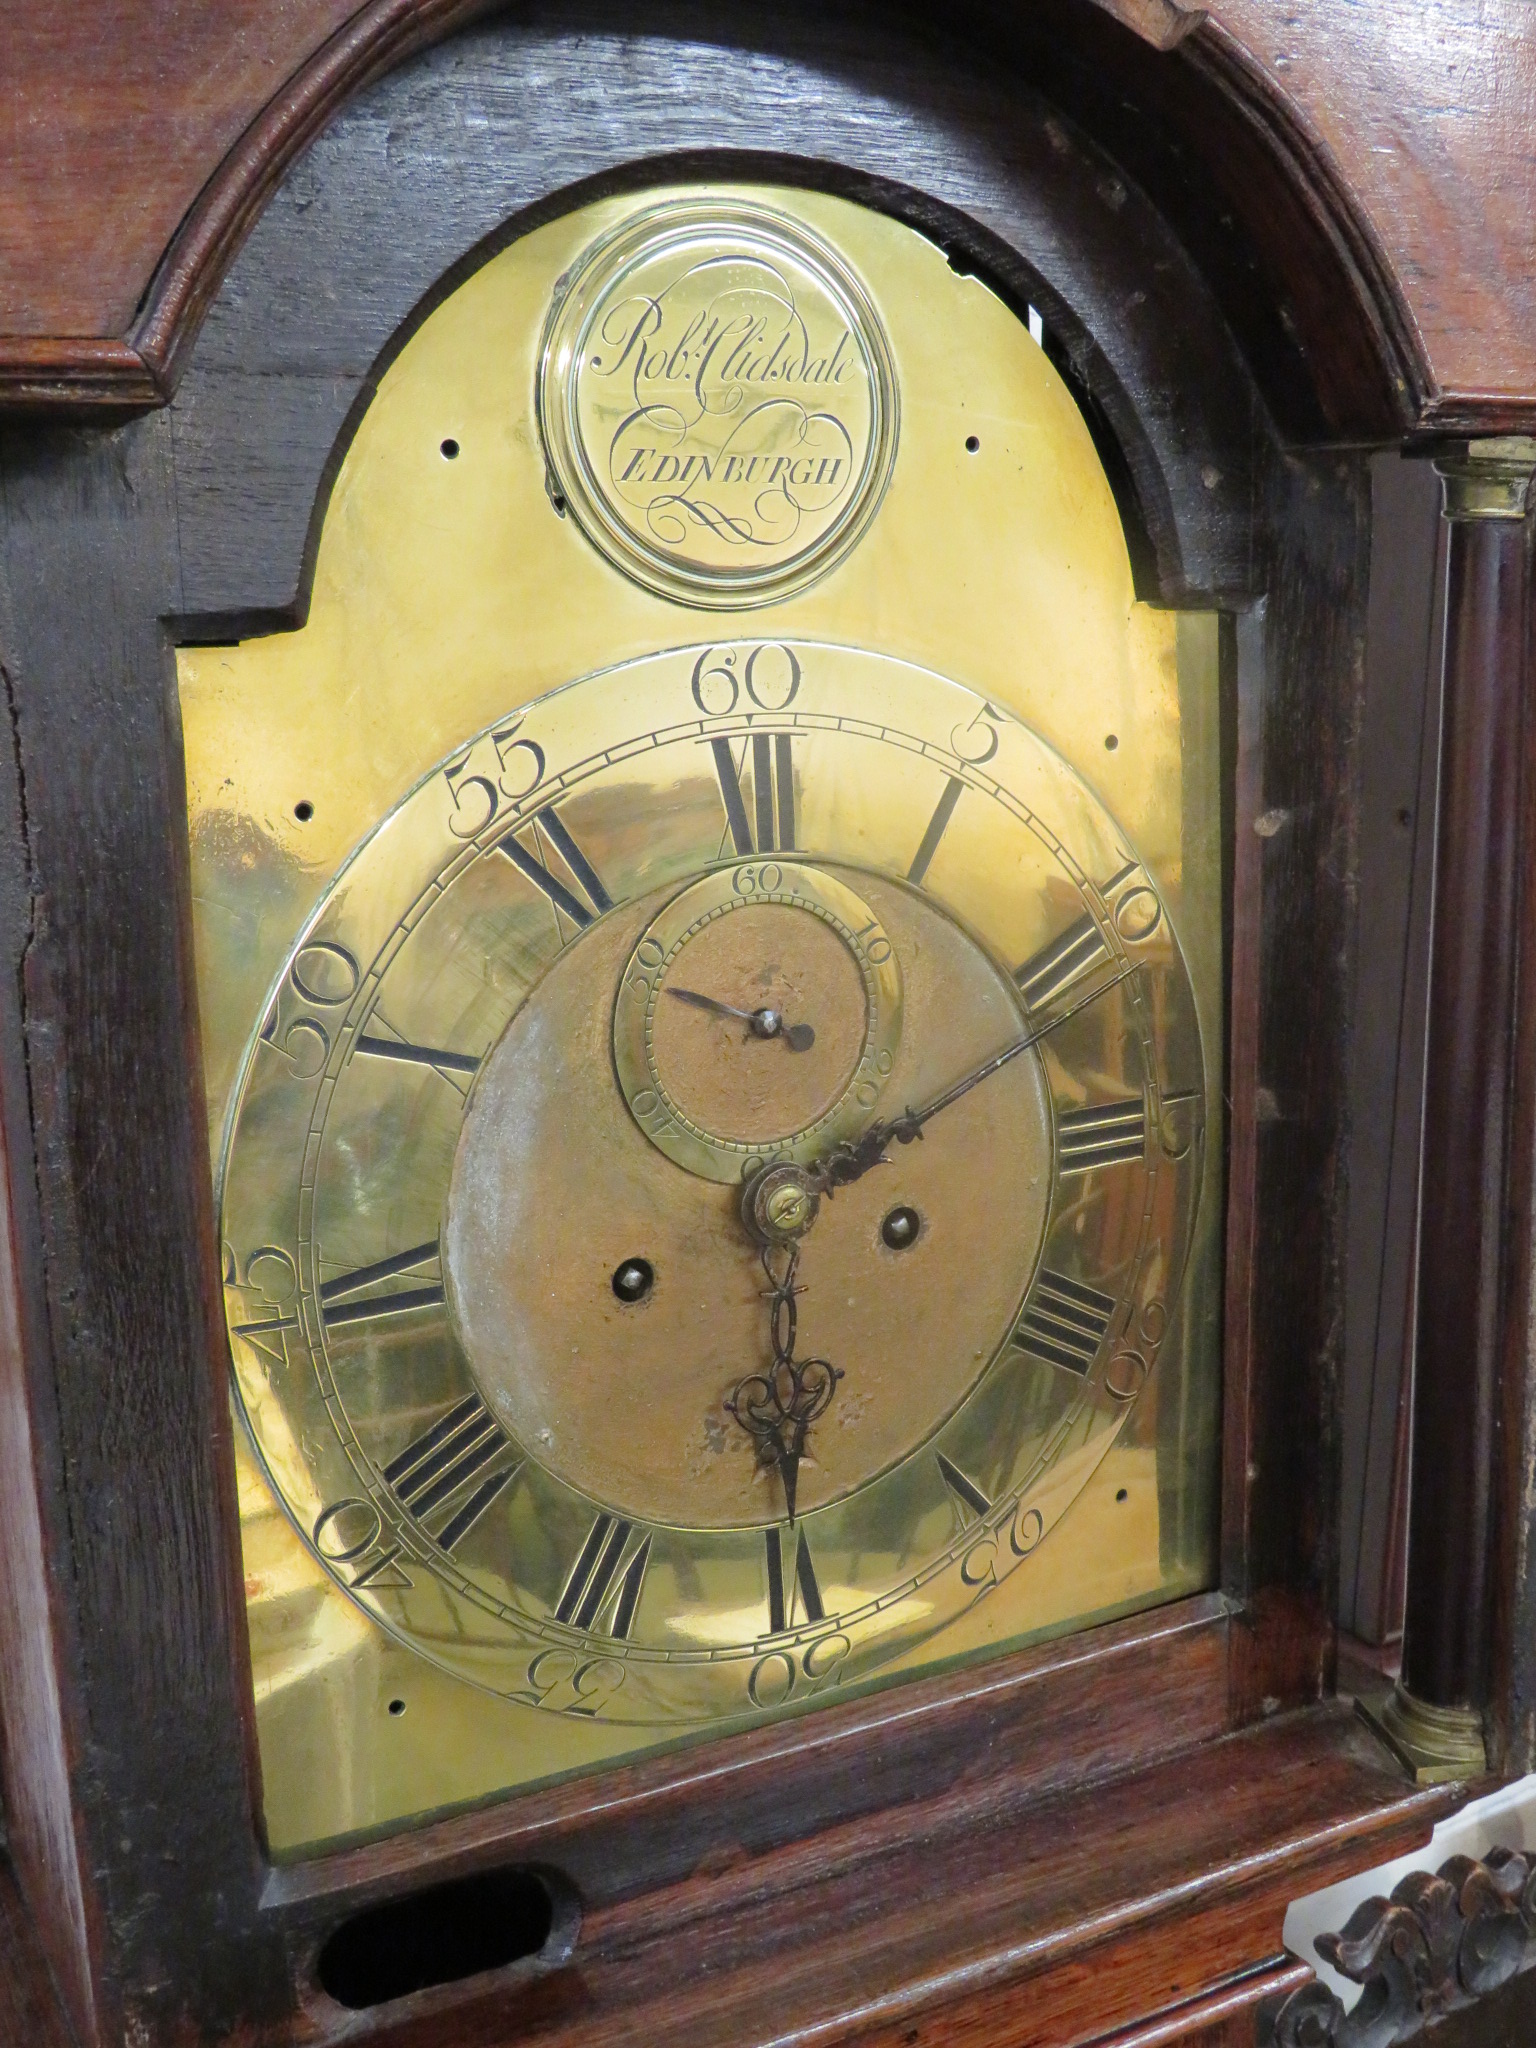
731	1079
758	1017
556	1189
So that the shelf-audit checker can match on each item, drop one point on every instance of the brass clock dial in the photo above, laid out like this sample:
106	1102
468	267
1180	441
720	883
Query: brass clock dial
711	1181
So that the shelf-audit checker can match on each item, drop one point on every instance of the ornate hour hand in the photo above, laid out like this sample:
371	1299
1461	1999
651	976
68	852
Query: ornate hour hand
777	1407
854	1157
768	1023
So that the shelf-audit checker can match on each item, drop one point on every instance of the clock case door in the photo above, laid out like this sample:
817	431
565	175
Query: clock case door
1236	460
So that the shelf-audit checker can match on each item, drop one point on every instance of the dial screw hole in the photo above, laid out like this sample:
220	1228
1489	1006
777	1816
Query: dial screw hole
1122	1494
901	1227
973	444
397	1708
634	1280
304	811
450	449
1111	741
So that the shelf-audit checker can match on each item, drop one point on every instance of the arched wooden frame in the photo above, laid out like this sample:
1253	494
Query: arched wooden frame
1214	141
198	521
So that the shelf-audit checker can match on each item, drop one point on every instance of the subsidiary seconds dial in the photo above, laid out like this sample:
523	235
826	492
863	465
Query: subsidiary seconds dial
712	1181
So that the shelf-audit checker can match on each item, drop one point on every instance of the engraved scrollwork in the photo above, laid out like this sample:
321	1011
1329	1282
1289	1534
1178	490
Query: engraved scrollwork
1443	1940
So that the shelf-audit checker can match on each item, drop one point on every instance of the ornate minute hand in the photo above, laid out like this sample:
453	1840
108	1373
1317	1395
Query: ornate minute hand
852	1159
762	1023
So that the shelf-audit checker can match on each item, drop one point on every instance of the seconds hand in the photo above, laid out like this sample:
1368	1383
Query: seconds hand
851	1160
763	1023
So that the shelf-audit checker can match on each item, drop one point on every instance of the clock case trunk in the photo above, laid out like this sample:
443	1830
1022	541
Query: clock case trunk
1045	1847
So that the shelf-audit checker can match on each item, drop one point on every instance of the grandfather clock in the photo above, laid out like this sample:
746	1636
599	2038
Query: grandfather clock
681	893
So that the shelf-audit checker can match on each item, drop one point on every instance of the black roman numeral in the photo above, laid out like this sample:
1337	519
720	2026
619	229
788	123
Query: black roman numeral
441	1463
1064	1322
965	1490
1102	1135
593	1575
944	810
1058	966
770	825
418	1055
335	1309
548	826
780	1610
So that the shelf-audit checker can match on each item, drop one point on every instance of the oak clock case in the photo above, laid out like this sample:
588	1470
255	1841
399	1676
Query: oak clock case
712	1009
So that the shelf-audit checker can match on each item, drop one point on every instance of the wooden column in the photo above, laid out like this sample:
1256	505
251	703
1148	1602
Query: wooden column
1434	1718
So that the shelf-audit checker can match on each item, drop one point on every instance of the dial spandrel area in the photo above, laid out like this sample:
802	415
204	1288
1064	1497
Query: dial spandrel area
729	1268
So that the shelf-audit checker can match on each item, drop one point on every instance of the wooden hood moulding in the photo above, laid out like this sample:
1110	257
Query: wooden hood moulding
115	231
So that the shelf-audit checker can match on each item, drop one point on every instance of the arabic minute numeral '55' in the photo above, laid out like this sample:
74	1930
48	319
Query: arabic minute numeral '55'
500	766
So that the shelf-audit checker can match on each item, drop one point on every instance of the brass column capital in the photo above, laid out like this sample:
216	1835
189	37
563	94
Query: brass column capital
1487	479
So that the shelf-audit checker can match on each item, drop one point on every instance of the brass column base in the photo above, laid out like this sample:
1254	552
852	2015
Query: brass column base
1435	1745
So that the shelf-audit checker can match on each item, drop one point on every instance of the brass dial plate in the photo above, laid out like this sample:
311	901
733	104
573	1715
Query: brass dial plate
448	595
536	1519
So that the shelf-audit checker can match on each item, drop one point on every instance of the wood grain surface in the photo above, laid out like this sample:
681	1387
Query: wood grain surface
143	135
30	2013
1461	1278
1038	1923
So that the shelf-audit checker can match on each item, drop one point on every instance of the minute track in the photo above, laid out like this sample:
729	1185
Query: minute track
657	1594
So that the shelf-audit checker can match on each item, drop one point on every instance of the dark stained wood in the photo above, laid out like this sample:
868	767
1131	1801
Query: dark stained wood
1467	1103
1440	172
1444	1941
145	137
1300	663
146	102
1047	1921
1512	1699
1058	1714
104	1052
1505	2019
31	2015
40	1826
39	1743
1278	238
1400	761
